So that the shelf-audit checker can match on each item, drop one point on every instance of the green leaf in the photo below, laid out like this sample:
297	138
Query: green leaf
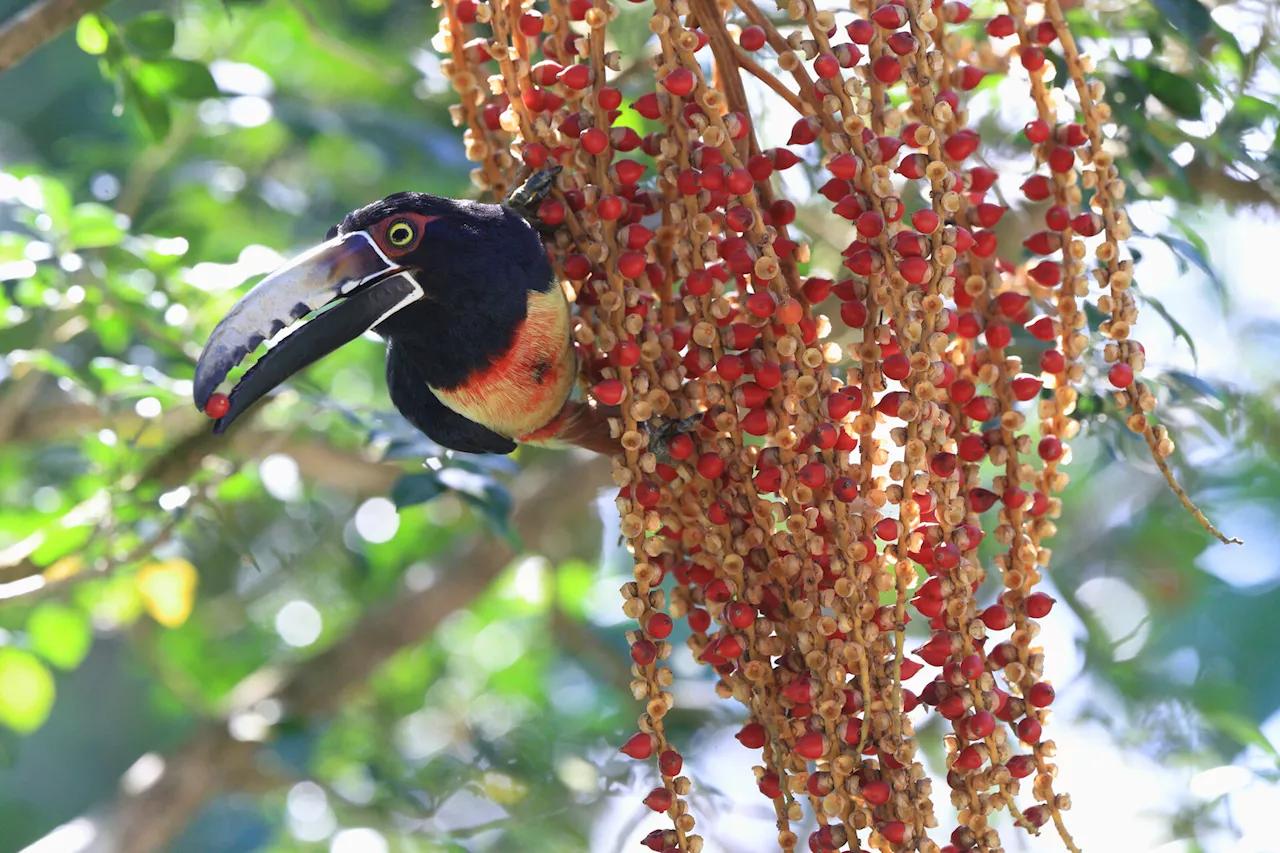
26	690
153	111
1189	17
177	78
1241	729
414	489
1180	94
152	33
60	634
494	504
94	225
1179	331
1193	250
574	580
92	35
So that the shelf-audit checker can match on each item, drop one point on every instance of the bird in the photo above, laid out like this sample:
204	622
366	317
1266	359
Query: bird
480	354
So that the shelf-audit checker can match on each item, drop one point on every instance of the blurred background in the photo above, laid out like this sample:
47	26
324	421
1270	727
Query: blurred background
317	641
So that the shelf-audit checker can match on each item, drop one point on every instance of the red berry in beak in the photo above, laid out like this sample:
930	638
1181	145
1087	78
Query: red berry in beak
218	406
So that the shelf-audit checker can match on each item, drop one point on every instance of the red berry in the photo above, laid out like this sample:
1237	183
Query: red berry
887	529
961	145
1036	131
861	31
769	786
854	314
925	221
887	68
876	793
969	758
594	140
1050	448
890	16
1120	375
811	746
752	38
639	747
894	832
1021	766
804	131
531	23
1010	304
740	614
218	406
609	207
998	335
1046	273
914	270
1029	730
753	736
997	617
897	367
551	212
1052	361
1025	386
670	762
845	489
576	76
679	82
1062	159
659	626
970	76
659	799
1041	694
1000	26
1038	605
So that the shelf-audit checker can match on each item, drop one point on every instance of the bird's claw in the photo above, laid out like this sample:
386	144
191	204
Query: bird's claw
661	436
525	198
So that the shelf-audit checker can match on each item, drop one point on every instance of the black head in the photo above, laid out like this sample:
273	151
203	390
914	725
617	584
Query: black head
448	279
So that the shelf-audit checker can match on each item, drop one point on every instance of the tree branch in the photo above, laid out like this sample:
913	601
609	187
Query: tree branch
37	24
213	762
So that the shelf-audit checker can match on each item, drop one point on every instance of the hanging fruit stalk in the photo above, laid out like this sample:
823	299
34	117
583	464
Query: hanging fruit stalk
824	497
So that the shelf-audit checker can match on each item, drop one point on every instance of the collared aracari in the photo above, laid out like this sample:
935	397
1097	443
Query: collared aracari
479	351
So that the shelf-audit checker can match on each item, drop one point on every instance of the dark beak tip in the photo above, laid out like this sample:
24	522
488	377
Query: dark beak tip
220	426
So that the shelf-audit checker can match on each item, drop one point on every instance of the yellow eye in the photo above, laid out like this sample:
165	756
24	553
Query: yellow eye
400	233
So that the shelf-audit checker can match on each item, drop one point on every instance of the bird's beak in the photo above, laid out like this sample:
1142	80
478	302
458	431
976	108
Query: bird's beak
350	268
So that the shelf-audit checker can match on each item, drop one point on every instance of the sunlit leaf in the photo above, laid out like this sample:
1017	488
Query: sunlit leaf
151	110
574	580
1242	730
91	35
178	78
60	634
94	225
26	690
168	590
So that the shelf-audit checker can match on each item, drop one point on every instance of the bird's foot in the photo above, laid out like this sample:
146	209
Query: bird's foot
661	436
525	198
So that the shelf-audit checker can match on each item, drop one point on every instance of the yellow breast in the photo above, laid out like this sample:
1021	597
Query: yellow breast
525	388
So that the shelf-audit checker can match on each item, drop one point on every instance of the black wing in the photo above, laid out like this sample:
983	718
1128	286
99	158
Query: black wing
412	396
